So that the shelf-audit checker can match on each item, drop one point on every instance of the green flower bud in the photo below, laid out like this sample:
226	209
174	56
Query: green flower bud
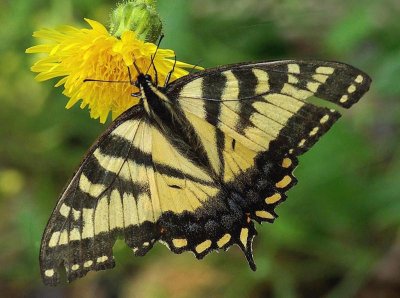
139	16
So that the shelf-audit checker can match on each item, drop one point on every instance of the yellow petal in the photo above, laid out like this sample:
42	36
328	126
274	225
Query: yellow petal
74	55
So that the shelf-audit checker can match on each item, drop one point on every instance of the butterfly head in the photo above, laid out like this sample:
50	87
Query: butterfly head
143	79
151	95
143	82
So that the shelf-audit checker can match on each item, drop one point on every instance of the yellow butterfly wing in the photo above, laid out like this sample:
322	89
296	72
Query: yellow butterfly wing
132	181
196	163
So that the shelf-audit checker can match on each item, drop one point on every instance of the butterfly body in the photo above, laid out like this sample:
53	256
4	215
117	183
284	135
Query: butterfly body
166	115
196	163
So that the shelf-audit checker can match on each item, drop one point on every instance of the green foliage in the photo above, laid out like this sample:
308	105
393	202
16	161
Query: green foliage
337	223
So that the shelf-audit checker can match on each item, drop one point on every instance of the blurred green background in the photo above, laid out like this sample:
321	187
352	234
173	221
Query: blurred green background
338	232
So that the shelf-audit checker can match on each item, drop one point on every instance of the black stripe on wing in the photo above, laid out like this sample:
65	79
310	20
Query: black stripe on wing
218	83
247	86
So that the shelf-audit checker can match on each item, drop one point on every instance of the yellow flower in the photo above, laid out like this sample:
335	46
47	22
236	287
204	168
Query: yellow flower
79	54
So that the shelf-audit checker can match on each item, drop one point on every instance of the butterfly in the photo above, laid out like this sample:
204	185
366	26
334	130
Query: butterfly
196	163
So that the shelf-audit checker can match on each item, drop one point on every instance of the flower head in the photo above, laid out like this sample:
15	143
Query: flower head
76	55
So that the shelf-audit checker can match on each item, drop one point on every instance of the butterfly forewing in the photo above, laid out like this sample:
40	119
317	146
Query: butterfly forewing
196	178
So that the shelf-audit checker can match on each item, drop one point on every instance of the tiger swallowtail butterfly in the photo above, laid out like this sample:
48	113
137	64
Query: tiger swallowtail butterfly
196	163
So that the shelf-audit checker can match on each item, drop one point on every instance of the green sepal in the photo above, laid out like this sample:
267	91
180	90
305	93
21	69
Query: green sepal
139	16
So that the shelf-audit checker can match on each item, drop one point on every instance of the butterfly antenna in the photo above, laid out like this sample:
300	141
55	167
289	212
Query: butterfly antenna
155	53
193	68
104	81
170	74
136	67
130	76
152	60
155	75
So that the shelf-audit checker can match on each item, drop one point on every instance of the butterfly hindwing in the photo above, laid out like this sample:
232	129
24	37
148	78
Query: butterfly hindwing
196	163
